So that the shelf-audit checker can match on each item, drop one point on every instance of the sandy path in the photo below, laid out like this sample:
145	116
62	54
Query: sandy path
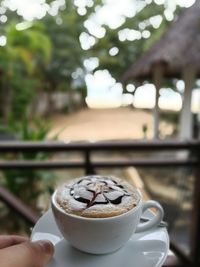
101	124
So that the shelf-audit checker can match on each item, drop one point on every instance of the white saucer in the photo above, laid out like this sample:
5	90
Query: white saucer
147	249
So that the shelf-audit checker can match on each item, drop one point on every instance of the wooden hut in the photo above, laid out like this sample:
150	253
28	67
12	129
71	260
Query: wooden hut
175	55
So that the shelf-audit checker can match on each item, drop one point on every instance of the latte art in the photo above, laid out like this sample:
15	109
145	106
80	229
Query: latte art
97	196
98	191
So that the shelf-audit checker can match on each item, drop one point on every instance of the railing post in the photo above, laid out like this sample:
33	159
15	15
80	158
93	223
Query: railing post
88	165
195	235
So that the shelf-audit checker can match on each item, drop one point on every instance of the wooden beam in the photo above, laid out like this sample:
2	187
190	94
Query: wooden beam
134	178
18	206
157	80
186	125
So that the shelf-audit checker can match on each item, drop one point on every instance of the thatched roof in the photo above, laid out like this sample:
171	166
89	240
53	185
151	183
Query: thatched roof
177	49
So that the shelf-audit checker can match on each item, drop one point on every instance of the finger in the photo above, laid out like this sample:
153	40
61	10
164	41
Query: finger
27	254
11	240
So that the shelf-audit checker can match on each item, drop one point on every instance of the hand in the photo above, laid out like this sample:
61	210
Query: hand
17	251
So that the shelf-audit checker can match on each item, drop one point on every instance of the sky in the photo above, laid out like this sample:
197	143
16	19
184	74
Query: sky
103	90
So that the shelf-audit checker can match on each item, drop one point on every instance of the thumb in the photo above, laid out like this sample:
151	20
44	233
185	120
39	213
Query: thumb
27	254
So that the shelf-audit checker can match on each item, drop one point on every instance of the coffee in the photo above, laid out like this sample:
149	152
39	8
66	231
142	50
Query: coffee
97	196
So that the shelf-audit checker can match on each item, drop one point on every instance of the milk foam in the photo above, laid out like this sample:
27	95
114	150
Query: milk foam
97	196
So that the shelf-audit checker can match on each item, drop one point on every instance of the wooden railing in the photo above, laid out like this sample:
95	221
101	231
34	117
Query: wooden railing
88	148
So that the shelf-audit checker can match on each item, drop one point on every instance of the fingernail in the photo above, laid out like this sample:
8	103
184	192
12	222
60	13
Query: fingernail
47	246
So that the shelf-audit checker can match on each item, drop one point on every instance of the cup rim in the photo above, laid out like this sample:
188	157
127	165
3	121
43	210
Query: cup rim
58	208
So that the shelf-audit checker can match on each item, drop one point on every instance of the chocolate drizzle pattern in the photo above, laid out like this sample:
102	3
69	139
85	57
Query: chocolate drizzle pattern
97	196
99	187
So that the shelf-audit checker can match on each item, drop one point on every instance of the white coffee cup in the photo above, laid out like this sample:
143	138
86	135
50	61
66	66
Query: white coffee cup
104	235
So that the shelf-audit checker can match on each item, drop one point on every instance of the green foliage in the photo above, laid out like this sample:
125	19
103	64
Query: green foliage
145	130
22	95
28	185
64	31
129	51
25	54
170	116
30	46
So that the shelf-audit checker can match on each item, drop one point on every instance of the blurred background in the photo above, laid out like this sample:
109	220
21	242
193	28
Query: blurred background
86	72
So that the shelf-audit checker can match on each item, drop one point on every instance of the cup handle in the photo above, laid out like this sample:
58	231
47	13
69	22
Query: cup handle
155	220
